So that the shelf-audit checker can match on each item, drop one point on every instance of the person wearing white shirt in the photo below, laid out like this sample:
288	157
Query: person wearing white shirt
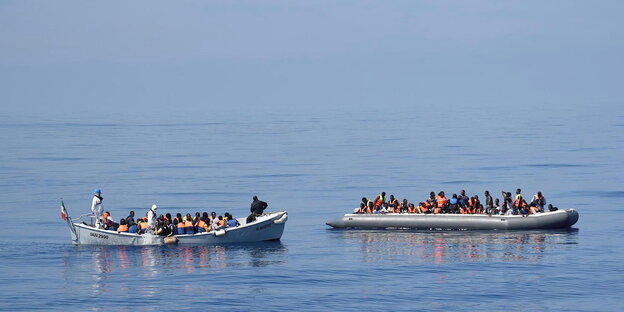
96	207
152	217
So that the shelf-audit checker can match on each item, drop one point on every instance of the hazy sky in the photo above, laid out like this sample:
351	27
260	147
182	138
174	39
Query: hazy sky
157	54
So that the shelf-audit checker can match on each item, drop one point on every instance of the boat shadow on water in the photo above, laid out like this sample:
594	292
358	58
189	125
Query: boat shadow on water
417	246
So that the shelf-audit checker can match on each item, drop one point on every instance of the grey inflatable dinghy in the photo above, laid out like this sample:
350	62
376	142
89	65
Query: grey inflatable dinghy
547	220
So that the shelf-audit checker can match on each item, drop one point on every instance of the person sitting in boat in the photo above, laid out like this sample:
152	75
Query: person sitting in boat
393	203
425	206
552	208
123	227
143	225
474	205
202	226
365	201
97	207
411	208
539	200
188	224
403	207
465	209
107	222
534	208
432	199
497	207
176	227
521	205
164	228
441	203
213	219
129	219
385	208
231	221
518	193
132	228
220	224
361	209
463	199
453	206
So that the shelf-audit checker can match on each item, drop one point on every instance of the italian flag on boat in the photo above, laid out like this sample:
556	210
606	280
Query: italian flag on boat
63	211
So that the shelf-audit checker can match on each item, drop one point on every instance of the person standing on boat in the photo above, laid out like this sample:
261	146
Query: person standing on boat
489	203
96	207
152	217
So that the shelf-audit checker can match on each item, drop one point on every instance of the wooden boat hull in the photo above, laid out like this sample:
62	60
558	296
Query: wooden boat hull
266	227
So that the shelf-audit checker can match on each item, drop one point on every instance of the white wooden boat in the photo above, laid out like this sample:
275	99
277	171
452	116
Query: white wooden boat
267	227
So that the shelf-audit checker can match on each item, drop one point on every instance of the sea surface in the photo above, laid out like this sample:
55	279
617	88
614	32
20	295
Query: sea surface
316	164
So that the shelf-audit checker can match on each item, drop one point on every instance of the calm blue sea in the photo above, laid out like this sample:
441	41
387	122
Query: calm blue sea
316	164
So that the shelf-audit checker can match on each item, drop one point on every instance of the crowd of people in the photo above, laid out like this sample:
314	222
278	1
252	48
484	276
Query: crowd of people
167	224
458	204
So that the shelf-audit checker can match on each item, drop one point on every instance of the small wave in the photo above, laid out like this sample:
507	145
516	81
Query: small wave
52	158
459	182
608	194
555	166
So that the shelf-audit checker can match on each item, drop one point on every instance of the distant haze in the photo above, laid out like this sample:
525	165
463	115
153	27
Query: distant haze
139	55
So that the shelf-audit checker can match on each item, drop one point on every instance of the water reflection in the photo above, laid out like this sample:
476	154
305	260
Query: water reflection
450	247
119	266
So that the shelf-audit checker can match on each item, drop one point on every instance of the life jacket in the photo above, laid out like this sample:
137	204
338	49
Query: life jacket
123	228
379	200
426	206
143	225
201	224
221	222
441	200
519	204
394	203
188	224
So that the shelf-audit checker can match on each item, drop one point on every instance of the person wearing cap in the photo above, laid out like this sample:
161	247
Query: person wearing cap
152	217
96	207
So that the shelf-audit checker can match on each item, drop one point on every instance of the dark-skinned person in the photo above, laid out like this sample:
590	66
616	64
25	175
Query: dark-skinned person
441	203
453	206
257	209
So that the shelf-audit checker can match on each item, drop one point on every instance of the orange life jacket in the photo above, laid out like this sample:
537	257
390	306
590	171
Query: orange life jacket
201	224
441	200
188	224
221	223
519	203
426	206
123	228
144	225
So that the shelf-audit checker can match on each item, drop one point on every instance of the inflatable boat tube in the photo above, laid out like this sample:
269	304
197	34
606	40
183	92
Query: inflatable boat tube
547	220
